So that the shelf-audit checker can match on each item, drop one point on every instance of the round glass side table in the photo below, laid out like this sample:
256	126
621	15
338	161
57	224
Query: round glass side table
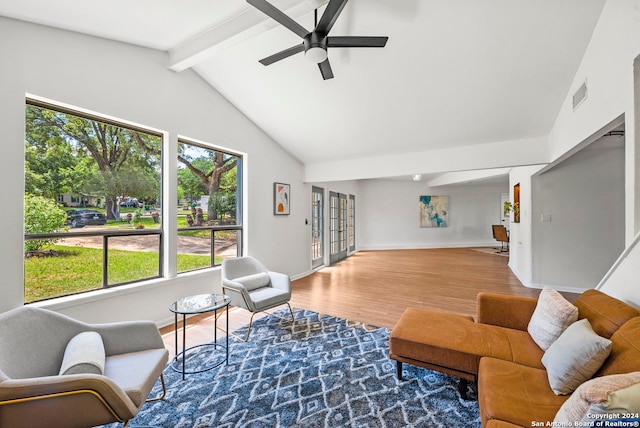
199	304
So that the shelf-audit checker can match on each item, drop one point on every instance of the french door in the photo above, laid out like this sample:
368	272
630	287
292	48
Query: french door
317	227
337	227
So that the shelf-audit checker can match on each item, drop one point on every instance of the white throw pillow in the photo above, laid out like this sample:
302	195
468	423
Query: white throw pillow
605	392
575	357
552	316
252	282
625	400
84	355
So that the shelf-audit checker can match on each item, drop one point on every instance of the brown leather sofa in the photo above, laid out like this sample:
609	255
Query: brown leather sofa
497	352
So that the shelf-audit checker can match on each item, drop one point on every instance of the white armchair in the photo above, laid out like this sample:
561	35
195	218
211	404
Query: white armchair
59	372
253	287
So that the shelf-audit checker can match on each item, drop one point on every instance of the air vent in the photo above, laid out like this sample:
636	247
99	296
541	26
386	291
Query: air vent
580	95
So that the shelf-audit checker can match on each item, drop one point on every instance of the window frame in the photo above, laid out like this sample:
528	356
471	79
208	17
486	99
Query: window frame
106	234
239	226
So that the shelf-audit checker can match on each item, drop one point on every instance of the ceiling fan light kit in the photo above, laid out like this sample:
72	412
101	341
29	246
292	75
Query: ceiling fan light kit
315	47
316	55
315	43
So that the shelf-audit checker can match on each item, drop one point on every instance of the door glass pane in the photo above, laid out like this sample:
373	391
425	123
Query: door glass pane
317	250
352	223
343	223
334	225
338	227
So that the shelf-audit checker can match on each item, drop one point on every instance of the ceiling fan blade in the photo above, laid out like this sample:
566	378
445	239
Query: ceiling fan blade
271	11
325	69
330	16
282	54
357	42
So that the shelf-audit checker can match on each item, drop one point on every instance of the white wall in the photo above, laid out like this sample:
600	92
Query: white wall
390	215
607	66
520	236
634	149
578	217
132	83
622	279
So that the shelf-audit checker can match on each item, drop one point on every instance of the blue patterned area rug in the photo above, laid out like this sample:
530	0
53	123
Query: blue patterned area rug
321	371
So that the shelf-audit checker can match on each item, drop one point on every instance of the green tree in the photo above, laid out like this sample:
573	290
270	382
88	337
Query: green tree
180	194
223	204
52	166
191	184
120	164
211	173
210	168
41	215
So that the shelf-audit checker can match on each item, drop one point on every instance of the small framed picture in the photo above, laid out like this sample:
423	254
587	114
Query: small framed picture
281	199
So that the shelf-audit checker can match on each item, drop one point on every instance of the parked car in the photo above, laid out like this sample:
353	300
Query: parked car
81	218
131	203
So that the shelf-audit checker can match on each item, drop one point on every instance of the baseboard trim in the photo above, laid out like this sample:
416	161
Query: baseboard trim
565	288
423	246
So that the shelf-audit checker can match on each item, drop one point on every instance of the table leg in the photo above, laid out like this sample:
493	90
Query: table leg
184	343
227	309
175	332
215	326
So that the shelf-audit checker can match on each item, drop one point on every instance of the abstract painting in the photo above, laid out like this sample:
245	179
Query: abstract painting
281	198
434	211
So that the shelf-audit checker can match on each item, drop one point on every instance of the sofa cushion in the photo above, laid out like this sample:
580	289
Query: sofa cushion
515	393
255	281
136	372
605	313
553	314
574	357
625	350
522	348
504	310
603	393
267	297
84	354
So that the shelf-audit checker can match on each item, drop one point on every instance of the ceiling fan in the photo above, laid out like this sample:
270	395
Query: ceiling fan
315	43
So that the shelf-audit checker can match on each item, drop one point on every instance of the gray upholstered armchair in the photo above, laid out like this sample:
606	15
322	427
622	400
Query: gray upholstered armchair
59	372
253	287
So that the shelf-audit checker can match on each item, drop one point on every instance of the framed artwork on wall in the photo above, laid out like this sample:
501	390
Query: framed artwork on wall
513	207
281	199
516	203
434	211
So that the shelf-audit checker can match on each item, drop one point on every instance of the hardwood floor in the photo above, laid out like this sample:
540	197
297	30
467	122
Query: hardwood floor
375	287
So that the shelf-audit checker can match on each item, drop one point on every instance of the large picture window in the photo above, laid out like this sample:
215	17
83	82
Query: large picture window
92	202
209	211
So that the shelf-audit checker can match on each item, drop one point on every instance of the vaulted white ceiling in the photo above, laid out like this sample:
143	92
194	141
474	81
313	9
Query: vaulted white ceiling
454	73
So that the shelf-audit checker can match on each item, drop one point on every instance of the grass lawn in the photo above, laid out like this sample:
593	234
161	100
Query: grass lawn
147	221
78	269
